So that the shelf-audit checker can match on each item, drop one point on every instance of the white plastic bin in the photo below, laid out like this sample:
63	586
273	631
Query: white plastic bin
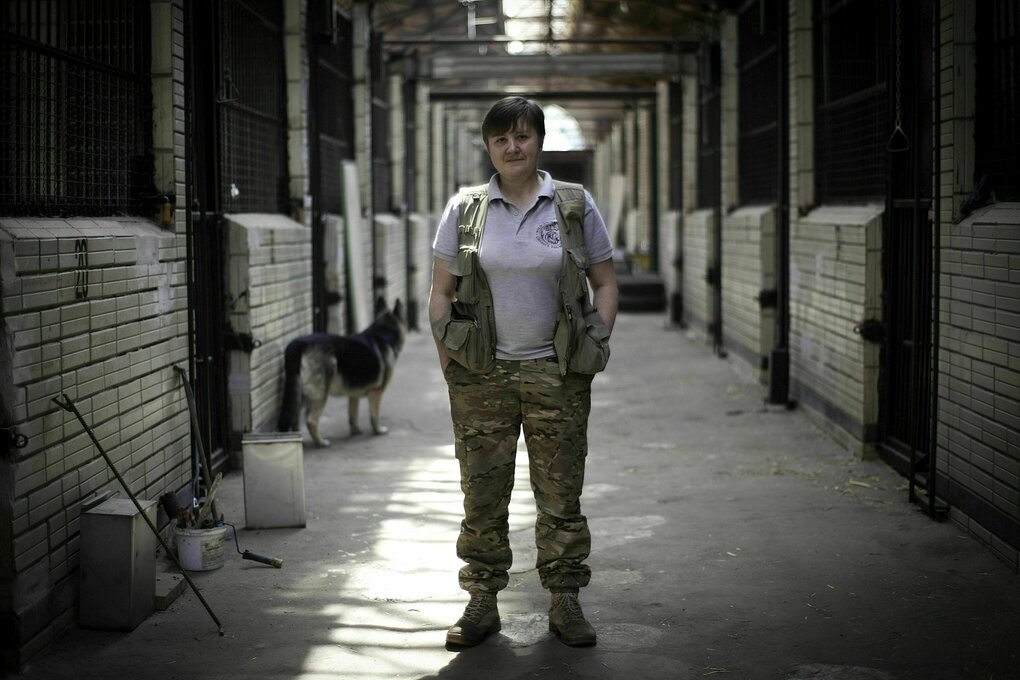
274	480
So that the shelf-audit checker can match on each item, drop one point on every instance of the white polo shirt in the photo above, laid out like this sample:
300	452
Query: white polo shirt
520	255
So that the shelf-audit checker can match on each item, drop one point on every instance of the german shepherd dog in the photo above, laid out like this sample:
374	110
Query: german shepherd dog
321	364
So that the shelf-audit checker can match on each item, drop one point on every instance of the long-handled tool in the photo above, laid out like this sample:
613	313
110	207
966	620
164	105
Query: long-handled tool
204	462
65	403
211	484
255	557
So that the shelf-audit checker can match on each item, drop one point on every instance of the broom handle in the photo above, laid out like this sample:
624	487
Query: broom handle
197	433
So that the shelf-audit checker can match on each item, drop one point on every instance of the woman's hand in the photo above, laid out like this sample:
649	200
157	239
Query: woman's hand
602	278
444	288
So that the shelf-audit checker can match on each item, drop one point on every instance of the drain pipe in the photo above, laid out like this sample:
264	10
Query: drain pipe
936	246
779	360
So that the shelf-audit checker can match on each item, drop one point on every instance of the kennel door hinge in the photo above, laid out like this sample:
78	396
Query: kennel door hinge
242	341
13	439
872	330
713	276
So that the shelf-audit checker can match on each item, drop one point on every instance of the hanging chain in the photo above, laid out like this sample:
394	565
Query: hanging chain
898	140
899	66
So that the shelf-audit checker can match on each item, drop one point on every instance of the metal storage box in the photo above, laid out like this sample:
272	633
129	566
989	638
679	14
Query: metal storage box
274	480
118	565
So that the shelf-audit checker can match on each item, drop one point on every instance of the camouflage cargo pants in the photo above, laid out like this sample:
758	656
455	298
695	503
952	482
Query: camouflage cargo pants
488	413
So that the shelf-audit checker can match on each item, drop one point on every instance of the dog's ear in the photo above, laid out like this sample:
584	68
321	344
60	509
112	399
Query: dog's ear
380	305
398	309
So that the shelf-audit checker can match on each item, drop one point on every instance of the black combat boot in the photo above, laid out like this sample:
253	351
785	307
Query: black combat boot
567	620
480	618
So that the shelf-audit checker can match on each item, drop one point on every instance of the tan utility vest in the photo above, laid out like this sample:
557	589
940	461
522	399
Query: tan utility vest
580	339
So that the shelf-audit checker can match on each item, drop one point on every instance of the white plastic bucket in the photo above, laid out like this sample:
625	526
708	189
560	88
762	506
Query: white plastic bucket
200	549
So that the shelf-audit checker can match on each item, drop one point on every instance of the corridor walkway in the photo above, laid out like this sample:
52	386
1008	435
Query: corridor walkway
730	541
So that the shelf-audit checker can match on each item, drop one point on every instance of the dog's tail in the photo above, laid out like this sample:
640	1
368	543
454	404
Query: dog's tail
290	409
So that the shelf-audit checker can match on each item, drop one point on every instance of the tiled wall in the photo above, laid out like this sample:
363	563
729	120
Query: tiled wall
632	238
436	162
835	261
697	224
392	249
748	269
979	408
978	437
801	106
698	229
296	68
421	275
642	235
269	292
669	242
729	88
96	309
835	283
689	83
336	273
668	218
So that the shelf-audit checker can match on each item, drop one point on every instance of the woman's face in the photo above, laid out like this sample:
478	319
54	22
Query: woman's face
515	152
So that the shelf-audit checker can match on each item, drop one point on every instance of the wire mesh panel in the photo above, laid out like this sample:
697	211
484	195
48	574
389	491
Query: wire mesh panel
334	103
709	127
76	105
253	173
907	351
757	59
851	99
997	106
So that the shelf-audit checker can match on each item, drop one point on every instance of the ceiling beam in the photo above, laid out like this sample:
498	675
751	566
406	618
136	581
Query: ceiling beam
542	65
666	42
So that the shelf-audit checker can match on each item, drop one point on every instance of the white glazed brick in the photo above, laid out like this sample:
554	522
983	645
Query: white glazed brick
30	547
70	325
697	229
831	290
979	334
269	260
743	278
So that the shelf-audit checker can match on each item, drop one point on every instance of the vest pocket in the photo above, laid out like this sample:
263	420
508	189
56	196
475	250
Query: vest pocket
591	348
464	342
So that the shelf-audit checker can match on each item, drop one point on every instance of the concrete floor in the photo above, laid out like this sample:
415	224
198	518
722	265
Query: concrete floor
730	540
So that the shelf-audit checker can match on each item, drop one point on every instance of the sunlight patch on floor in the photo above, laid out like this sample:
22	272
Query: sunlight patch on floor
409	588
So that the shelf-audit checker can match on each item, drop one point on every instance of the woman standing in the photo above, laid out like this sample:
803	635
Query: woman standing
519	342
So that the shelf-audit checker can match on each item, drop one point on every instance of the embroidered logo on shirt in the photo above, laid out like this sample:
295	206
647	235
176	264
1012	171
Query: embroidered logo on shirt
548	234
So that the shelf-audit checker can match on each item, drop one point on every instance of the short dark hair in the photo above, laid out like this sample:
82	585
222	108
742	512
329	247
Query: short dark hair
505	114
